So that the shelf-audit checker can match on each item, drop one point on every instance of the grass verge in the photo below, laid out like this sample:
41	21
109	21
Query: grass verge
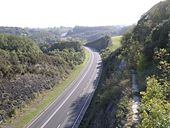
116	43
116	40
33	108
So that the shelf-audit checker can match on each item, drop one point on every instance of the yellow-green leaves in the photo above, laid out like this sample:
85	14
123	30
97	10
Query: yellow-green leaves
155	108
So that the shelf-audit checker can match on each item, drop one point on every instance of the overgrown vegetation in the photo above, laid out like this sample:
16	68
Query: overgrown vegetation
112	47
91	34
39	35
147	50
101	43
34	107
51	35
26	70
110	104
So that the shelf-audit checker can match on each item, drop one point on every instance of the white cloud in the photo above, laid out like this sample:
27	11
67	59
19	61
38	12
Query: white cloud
49	13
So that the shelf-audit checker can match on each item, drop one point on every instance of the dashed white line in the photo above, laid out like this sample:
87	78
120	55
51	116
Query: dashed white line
58	125
84	104
67	96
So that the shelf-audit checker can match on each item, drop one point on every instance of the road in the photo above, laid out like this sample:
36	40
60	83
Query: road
67	110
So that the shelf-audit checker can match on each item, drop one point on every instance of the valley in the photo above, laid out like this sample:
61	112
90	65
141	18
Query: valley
112	76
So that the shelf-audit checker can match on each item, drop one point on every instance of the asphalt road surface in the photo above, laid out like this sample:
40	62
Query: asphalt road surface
67	110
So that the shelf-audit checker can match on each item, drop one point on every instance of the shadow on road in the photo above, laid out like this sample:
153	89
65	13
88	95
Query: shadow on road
79	107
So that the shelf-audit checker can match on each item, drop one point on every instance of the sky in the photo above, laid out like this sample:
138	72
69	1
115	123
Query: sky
55	13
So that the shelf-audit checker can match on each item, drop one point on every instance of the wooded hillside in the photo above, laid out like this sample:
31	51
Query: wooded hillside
25	69
145	49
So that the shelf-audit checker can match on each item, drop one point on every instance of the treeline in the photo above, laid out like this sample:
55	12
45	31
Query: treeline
101	43
91	34
51	35
39	35
27	69
147	50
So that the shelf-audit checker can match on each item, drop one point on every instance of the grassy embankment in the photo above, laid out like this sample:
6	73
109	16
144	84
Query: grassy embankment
116	43
116	40
25	115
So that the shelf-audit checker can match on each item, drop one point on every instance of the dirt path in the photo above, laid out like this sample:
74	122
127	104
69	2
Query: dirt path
136	99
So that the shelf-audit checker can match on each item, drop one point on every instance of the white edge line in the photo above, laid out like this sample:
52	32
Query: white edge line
43	111
58	125
84	104
67	96
48	106
81	111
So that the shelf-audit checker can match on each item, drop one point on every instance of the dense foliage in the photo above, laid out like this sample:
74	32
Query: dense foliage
16	54
46	35
105	53
155	111
110	104
147	50
25	69
51	35
67	44
101	43
91	34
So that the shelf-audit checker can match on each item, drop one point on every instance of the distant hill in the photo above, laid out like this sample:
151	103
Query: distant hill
52	35
93	33
40	35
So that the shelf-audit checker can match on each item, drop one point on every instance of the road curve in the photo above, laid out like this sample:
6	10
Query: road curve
67	110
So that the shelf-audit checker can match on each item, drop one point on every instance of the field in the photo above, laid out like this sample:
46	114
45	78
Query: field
116	40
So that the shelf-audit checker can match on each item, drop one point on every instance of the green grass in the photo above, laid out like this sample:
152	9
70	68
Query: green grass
27	113
116	42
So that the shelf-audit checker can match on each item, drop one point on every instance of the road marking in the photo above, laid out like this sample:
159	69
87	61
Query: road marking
48	106
68	95
81	111
68	112
80	94
84	104
58	125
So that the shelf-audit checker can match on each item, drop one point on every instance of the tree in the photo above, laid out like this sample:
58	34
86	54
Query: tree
155	109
